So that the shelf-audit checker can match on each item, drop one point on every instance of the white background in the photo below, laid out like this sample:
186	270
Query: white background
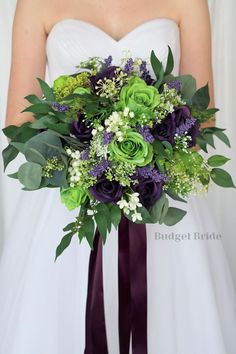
221	201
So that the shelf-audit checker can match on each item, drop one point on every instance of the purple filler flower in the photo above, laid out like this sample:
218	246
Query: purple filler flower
174	84
80	129
151	172
129	66
108	61
106	191
107	137
146	133
98	169
59	107
85	154
145	73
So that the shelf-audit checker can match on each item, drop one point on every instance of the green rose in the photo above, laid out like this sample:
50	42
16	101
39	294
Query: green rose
73	197
137	95
133	149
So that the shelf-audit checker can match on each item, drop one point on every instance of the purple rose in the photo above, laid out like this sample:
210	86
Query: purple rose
106	191
166	129
194	132
186	123
80	129
107	73
149	191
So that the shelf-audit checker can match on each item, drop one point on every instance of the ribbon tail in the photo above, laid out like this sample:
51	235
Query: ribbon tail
96	339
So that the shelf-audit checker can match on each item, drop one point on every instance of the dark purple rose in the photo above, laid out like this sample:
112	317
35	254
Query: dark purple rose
107	73
166	129
80	129
149	191
186	123
194	132
106	191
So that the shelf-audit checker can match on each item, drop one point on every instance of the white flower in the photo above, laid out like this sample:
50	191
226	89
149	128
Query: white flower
122	203
131	114
136	216
94	132
126	111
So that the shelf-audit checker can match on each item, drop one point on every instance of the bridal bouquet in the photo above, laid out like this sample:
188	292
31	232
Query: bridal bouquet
117	141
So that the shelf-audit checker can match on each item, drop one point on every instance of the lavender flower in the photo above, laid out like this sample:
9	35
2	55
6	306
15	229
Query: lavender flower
152	173
174	84
108	61
107	138
85	154
183	128
98	169
145	132
59	107
129	66
145	73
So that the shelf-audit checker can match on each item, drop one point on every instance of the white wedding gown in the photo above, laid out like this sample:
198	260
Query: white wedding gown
191	300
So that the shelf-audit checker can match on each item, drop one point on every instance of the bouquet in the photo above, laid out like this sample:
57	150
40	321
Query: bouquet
118	142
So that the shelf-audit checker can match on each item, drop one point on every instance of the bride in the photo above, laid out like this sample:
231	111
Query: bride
191	300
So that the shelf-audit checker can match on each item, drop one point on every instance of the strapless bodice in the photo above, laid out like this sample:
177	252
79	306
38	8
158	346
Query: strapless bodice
71	41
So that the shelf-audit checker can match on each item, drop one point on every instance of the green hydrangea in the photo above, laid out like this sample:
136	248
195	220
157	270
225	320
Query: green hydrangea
188	173
66	84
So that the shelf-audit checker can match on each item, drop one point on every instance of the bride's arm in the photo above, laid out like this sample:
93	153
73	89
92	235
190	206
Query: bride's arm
28	59
196	53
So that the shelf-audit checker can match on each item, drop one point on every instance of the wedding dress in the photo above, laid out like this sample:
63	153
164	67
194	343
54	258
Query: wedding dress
191	300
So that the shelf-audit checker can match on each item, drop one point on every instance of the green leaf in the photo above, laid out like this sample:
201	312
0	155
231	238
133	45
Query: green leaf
157	209
170	62
164	211
46	143
222	178
9	154
32	99
202	143
115	213
188	85
47	91
169	148
173	216
10	131
18	146
157	68
30	175
13	175
65	242
38	108
88	227
62	128
33	155
158	148
41	123
217	160
201	98
208	137
101	222
223	137
175	196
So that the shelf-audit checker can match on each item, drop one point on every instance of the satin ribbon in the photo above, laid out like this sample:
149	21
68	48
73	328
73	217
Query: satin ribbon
132	287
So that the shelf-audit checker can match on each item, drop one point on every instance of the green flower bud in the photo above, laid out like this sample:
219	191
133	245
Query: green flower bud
73	197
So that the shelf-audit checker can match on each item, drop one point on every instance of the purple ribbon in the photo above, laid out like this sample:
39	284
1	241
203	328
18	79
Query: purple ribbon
132	277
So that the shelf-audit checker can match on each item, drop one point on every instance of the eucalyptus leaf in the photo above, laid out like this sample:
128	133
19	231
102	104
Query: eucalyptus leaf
188	85
30	175
175	196
173	216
